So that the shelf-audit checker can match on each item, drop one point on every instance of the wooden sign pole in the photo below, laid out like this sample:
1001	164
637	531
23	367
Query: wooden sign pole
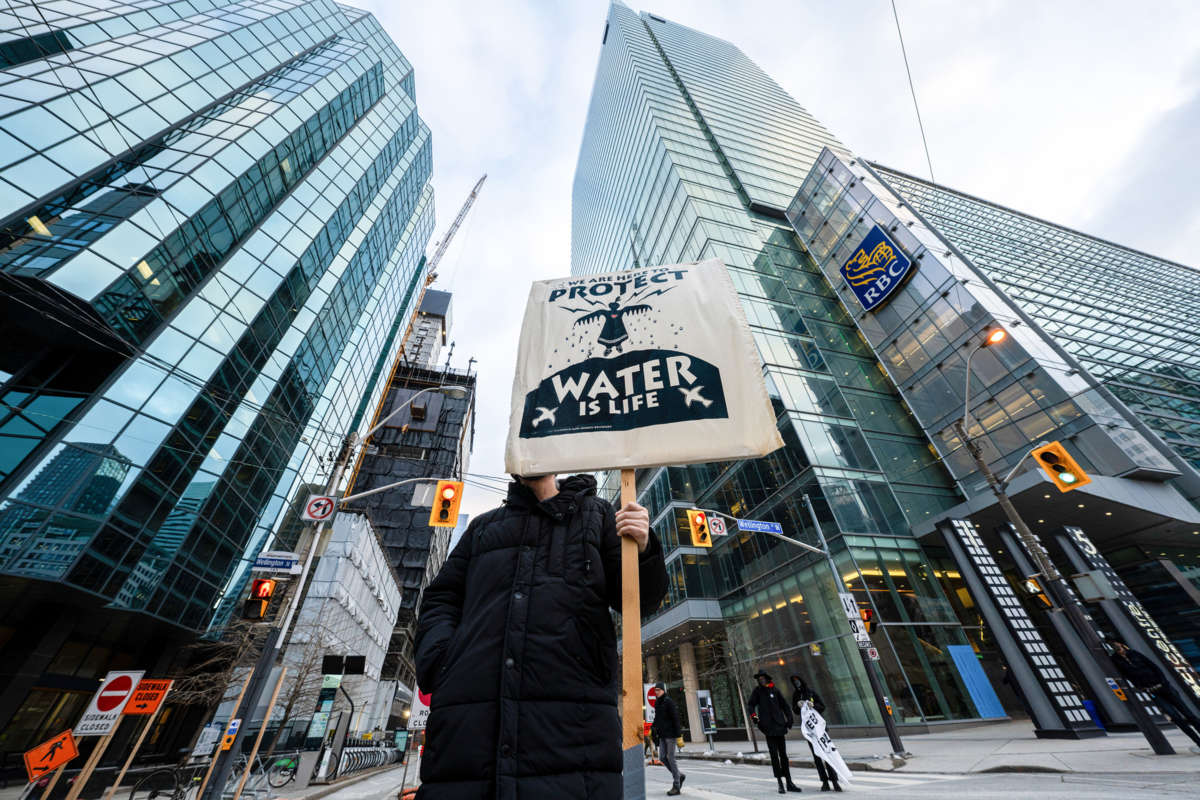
631	654
261	730
136	747
54	780
93	761
213	762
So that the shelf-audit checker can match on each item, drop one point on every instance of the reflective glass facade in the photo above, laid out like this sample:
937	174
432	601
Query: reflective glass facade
212	214
692	152
1130	318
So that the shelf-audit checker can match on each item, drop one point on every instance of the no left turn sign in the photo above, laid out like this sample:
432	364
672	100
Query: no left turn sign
716	525
319	508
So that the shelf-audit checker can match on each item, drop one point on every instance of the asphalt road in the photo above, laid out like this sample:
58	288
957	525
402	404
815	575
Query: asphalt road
715	781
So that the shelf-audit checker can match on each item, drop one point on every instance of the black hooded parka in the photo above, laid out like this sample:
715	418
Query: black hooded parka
515	643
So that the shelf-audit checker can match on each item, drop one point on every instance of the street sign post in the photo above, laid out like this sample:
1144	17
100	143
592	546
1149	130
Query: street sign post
759	526
50	755
319	508
104	711
147	699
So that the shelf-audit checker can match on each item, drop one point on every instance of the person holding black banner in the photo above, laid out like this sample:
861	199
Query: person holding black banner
773	716
667	732
805	694
516	646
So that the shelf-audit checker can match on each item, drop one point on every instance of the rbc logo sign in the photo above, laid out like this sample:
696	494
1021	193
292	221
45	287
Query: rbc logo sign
876	269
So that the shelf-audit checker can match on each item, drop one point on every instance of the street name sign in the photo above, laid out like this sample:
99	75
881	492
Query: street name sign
50	755
104	711
277	561
759	526
319	508
148	696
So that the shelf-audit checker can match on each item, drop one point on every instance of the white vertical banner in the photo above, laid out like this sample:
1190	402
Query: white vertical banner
636	369
812	725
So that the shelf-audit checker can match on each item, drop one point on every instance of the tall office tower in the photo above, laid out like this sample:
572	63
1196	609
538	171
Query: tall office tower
690	151
211	215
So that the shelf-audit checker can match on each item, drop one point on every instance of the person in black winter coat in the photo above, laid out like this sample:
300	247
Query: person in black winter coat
773	716
665	730
1145	674
515	642
804	693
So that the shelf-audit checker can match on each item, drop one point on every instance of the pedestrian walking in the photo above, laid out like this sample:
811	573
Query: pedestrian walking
517	647
667	732
805	694
1145	675
773	716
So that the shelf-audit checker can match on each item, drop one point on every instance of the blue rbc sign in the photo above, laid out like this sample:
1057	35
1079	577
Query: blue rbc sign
876	269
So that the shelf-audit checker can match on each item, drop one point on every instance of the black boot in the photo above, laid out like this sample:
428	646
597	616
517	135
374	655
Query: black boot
836	788
825	786
791	787
781	789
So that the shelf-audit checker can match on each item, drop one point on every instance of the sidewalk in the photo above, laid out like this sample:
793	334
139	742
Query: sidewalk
994	747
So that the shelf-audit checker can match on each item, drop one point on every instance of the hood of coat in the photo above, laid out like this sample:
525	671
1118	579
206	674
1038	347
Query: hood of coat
565	502
798	684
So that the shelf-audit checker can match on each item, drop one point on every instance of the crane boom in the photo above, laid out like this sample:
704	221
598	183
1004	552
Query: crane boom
440	250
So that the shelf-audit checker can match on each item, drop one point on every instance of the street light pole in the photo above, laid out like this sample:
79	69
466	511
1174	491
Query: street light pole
889	723
276	637
1061	598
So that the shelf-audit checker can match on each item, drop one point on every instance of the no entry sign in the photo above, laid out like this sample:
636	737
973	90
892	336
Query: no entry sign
319	508
105	709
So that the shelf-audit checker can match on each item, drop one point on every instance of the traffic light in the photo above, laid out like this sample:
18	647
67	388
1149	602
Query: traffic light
446	499
698	522
261	591
1062	469
868	616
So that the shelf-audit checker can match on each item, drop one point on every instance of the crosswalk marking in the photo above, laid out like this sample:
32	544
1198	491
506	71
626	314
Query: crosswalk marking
732	776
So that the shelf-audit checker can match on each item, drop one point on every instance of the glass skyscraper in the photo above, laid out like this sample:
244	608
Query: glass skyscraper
690	152
212	213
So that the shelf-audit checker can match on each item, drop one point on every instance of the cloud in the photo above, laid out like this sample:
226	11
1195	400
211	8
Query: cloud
1153	203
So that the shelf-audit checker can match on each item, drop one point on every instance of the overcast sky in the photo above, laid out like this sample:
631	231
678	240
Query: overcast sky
1084	113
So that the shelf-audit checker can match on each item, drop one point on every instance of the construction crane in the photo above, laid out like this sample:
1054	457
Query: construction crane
441	247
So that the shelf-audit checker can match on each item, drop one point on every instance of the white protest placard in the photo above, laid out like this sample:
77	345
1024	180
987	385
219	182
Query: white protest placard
638	368
812	725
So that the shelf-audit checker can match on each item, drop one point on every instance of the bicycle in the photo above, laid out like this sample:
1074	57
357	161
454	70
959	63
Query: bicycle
168	783
283	770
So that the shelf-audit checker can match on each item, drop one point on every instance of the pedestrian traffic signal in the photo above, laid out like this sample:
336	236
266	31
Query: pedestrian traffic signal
868	616
698	522
446	499
1058	464
261	592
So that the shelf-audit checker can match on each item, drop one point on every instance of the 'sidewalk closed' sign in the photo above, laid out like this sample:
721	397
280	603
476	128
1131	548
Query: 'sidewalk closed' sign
605	357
